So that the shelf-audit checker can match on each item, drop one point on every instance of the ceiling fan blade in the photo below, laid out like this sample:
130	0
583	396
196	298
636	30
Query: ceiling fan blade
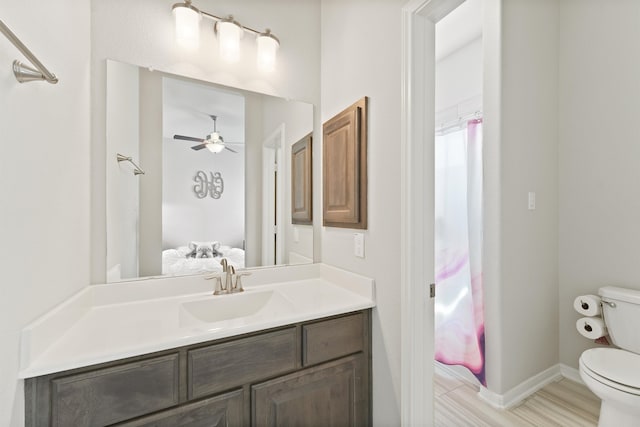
188	138
227	148
199	147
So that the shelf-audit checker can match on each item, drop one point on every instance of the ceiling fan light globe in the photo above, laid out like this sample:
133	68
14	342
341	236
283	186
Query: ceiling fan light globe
215	147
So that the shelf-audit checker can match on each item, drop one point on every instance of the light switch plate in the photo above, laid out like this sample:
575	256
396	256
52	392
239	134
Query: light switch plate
358	244
532	201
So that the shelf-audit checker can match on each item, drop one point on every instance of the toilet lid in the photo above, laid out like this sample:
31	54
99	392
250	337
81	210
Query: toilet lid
620	366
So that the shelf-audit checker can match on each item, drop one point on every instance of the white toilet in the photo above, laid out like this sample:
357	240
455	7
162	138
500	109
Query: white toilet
613	374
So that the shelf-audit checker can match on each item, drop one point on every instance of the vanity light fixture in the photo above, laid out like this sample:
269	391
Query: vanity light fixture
229	32
187	24
267	48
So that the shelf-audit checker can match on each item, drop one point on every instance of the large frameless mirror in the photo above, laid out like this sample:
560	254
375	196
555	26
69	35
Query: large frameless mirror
198	171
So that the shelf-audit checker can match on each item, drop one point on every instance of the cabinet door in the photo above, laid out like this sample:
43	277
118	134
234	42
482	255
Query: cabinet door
327	395
225	410
344	166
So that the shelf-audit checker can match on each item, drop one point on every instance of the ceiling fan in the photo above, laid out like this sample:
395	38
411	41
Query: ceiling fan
213	141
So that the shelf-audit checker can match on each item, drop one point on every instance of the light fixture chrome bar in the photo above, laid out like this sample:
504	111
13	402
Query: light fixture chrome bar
218	19
25	73
123	158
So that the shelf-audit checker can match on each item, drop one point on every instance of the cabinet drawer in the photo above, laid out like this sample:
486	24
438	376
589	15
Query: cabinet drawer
331	339
110	395
224	366
226	410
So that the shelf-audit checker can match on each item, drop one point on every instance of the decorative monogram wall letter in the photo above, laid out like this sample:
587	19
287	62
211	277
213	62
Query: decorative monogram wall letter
212	185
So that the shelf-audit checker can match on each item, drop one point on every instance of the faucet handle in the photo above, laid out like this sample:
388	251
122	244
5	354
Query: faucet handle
238	286
218	286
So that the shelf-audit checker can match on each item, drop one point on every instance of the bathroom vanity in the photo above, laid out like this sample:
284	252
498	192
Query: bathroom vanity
298	354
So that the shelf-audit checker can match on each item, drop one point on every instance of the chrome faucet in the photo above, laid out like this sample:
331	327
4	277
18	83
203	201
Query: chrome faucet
229	281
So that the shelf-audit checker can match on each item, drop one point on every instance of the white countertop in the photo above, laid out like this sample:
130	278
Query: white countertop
103	323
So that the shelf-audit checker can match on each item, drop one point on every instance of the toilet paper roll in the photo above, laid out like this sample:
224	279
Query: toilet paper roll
591	327
588	305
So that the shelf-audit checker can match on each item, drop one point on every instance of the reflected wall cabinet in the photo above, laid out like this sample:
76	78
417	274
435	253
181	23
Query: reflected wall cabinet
301	187
344	142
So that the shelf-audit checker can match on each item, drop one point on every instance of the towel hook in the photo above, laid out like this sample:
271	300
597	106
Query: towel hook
123	158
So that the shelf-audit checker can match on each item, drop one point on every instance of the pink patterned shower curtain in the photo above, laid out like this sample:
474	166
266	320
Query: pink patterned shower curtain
459	308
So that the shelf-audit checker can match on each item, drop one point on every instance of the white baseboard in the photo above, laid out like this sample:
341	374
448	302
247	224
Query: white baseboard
522	390
571	373
458	372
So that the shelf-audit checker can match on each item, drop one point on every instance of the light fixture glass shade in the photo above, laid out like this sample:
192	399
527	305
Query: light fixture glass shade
215	147
229	33
267	48
187	25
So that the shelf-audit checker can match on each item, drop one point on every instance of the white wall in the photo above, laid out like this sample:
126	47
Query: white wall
188	218
141	33
150	229
361	57
459	80
123	187
523	297
599	191
253	180
44	177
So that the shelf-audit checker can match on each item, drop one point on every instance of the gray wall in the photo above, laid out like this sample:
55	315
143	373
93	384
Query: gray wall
361	57
599	188
527	147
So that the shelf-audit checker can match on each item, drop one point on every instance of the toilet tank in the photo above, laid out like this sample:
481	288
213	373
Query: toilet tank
621	311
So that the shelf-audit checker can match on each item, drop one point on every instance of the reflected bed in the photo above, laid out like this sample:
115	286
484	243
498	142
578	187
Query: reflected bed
175	261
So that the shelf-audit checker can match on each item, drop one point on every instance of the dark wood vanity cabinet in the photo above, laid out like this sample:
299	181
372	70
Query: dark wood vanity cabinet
315	373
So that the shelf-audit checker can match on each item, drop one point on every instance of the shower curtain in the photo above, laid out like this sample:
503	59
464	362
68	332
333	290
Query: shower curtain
459	308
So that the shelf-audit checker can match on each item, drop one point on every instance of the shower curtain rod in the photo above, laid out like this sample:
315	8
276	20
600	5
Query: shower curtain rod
23	72
452	124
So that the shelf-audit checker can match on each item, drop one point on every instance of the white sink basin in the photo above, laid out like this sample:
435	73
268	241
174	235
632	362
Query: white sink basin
220	308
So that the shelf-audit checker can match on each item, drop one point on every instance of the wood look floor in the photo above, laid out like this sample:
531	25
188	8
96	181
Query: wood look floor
564	403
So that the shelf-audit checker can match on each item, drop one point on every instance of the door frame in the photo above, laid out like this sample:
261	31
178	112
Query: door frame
417	206
273	161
